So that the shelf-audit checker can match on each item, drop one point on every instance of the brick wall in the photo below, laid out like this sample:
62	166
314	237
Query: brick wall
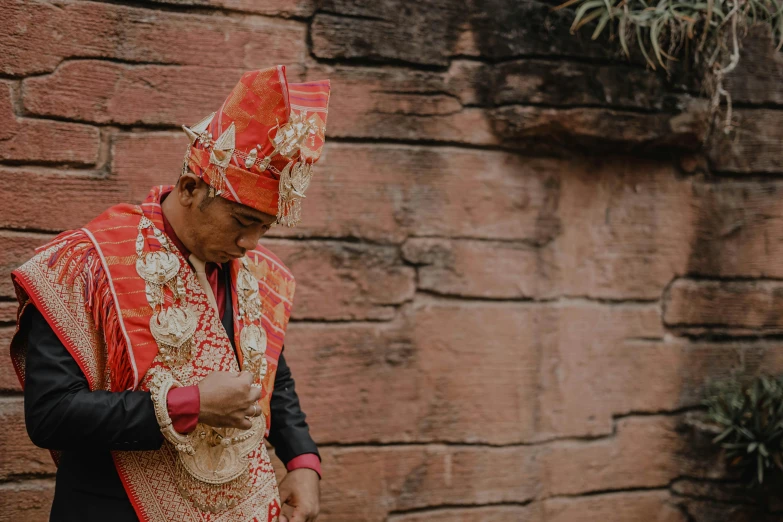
518	265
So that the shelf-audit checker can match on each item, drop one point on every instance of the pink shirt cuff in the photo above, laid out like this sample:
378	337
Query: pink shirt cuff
184	404
307	460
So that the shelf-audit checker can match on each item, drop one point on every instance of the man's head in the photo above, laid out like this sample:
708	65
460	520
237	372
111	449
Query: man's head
214	229
259	148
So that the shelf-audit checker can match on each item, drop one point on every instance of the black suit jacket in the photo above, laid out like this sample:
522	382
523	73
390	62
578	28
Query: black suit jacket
62	414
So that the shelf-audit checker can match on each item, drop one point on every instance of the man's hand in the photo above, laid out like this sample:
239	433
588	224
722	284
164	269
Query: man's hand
227	398
301	489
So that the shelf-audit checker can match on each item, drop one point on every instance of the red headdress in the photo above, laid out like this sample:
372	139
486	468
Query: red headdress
260	147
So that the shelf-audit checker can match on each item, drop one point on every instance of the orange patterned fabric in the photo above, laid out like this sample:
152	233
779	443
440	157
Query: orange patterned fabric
258	106
95	268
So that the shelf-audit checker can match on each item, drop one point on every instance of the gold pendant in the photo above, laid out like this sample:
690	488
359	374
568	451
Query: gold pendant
157	267
173	326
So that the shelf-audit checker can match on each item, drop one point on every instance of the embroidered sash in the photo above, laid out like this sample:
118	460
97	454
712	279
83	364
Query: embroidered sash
87	284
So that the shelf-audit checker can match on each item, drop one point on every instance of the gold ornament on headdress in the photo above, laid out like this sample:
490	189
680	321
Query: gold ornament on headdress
221	150
289	142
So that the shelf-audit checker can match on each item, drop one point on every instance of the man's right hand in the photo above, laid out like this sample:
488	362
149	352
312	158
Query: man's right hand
227	399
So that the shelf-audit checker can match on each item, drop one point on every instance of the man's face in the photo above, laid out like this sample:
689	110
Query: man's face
219	230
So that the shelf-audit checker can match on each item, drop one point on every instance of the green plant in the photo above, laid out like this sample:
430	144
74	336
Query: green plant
706	33
750	415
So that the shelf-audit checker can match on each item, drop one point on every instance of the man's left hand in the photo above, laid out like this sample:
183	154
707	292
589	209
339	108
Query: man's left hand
301	489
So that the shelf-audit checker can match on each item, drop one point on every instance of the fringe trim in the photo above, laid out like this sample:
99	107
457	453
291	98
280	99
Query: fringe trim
77	258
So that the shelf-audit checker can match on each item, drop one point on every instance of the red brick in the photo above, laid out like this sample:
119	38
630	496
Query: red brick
27	501
71	199
25	139
16	249
20	457
637	506
346	281
727	307
368	483
38	40
407	190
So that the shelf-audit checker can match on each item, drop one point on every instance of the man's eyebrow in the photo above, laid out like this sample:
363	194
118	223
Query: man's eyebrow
248	215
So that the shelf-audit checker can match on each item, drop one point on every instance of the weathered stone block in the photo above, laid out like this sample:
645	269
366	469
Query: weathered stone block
144	160
20	457
726	307
8	311
557	371
407	190
35	41
759	73
485	514
284	8
346	281
107	92
597	129
368	483
615	233
424	374
420	33
641	454
8	379
735	229
28	501
637	506
25	139
753	146
564	83
471	268
429	32
16	249
71	199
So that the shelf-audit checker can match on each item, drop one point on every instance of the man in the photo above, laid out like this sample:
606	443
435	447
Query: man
150	342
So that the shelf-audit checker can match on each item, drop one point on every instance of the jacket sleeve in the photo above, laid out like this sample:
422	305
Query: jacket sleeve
289	433
63	414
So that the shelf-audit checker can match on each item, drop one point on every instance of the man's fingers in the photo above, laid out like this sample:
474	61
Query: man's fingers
298	516
244	424
255	393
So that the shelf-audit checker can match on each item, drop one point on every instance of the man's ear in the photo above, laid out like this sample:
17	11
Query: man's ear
188	187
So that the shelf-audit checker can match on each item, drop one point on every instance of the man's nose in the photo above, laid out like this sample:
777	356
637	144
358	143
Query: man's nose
249	239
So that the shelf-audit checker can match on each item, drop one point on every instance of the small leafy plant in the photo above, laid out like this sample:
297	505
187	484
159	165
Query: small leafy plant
706	33
750	415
